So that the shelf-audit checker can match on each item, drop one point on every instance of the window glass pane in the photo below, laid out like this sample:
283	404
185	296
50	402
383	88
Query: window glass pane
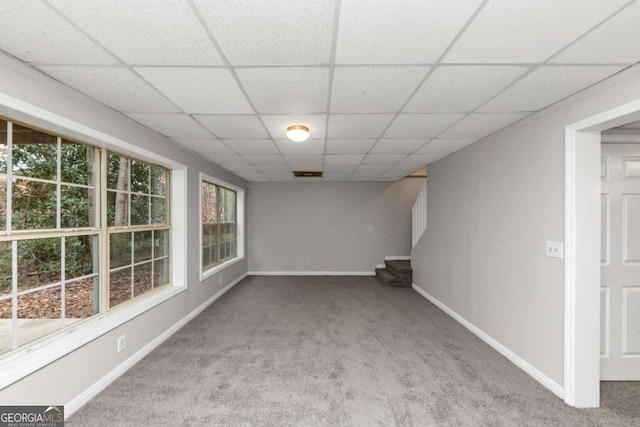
119	286
39	314
158	181
139	177
142	246
161	243
3	146
228	210
158	210
142	279
34	153
5	268
81	299
77	162
206	256
34	205
119	250
38	262
5	325
76	207
139	210
118	173
81	256
209	199
3	203
160	273
117	209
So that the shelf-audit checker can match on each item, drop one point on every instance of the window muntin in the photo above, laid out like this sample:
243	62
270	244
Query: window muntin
50	232
219	227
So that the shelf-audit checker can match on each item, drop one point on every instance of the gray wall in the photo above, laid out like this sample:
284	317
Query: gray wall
491	207
69	376
326	222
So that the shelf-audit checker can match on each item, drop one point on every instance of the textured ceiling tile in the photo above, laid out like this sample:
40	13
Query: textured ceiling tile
304	160
343	159
199	90
116	87
373	168
274	32
172	125
373	89
405	169
300	90
33	32
445	146
253	177
525	31
310	146
264	159
422	159
380	159
204	146
233	126
480	125
340	168
349	146
397	146
273	168
616	41
144	32
420	125
547	85
458	89
228	160
364	176
358	125
277	125
336	176
252	146
240	168
387	32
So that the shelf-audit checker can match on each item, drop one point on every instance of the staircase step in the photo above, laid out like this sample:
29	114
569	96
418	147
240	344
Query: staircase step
386	278
401	266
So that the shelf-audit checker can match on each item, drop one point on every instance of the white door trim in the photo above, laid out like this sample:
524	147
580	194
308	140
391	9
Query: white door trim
582	253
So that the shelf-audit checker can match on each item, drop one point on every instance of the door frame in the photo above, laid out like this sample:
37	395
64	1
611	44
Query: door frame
582	253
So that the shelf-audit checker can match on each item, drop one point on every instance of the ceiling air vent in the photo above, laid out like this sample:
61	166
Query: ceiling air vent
308	174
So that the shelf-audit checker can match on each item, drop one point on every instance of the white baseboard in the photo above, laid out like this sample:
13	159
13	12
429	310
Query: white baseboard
398	258
380	265
77	402
555	388
311	273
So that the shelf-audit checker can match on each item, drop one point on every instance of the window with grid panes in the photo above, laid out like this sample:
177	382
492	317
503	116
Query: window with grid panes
219	226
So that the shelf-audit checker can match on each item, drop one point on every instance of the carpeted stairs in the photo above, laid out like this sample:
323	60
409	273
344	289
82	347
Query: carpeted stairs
397	273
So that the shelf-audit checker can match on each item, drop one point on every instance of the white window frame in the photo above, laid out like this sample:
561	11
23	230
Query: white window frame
240	203
43	352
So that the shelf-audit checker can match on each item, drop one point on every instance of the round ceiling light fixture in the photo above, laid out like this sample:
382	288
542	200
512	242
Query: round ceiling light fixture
298	133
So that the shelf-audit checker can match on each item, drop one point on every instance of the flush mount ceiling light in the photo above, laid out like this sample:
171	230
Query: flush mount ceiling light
297	133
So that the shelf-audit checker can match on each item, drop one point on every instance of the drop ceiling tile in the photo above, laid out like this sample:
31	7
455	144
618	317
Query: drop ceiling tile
358	125
273	32
383	159
422	159
252	146
204	146
378	169
458	89
524	31
336	176
273	168
304	161
275	176
264	159
404	169
445	146
373	89
397	146
160	32
172	125
547	85
116	87
384	32
310	146
32	32
228	160
277	125
420	125
253	177
343	159
349	146
300	90
480	125
199	90
364	176
614	42
340	167
233	126
239	168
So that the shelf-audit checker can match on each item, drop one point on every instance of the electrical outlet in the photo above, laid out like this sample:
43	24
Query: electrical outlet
554	249
308	262
122	343
370	229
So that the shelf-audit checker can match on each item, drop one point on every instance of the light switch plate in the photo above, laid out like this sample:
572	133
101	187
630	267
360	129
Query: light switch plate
554	249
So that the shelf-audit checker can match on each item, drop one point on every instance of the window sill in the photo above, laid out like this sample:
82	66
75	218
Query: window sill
16	367
218	268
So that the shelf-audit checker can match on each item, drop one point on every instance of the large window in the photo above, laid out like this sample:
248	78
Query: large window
219	227
68	209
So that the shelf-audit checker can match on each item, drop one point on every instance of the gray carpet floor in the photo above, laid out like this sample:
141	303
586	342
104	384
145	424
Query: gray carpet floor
335	351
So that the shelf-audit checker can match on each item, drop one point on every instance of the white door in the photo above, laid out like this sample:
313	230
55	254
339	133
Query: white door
620	291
